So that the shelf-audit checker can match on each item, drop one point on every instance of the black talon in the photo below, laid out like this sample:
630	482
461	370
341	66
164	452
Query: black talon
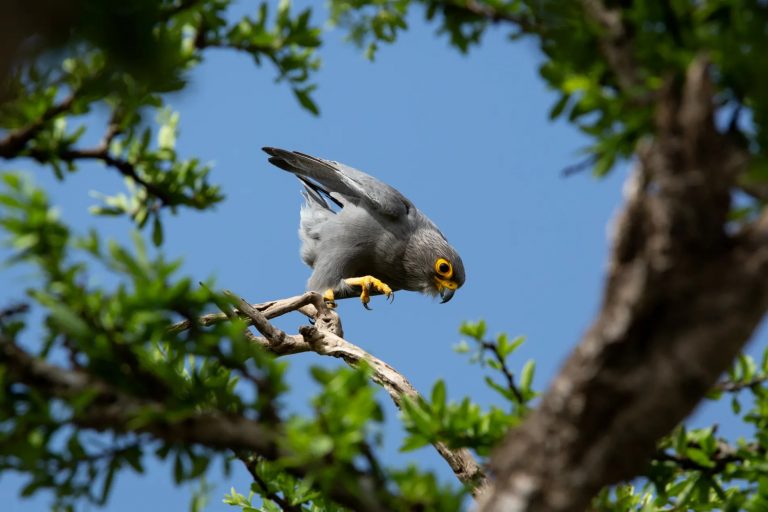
391	297
365	305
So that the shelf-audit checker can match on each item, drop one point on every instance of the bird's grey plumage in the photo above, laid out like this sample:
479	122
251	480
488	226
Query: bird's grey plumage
376	231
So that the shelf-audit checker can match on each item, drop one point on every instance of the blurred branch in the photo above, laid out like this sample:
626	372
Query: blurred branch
729	386
724	454
14	145
616	43
682	298
124	167
12	310
116	411
492	13
15	141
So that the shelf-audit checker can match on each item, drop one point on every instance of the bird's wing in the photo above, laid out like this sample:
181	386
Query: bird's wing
338	178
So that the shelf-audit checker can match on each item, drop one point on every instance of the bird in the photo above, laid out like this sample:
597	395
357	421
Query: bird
363	237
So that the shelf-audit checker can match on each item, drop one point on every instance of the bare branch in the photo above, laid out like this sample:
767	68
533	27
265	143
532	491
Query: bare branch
306	303
274	335
461	461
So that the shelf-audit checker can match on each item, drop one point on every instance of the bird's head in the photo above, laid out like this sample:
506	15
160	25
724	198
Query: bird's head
434	267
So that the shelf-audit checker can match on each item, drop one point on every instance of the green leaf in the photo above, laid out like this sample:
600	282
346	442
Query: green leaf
438	397
735	405
68	320
157	231
526	375
418	416
462	347
413	442
305	99
699	457
558	108
475	330
681	440
107	487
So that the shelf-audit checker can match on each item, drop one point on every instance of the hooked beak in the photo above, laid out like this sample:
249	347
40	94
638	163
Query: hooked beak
446	288
446	294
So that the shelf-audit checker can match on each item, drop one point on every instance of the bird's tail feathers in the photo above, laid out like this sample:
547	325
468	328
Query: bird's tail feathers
314	192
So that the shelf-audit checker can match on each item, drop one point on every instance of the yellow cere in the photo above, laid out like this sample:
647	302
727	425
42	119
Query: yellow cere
445	283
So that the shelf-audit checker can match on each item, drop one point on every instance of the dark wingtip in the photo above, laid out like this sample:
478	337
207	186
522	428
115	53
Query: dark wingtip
282	164
269	150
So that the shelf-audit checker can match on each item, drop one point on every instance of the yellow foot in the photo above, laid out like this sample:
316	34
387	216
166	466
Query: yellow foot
330	300
367	283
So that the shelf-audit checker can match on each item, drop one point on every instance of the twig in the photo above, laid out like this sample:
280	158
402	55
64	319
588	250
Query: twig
13	310
250	465
124	167
16	140
579	167
306	303
724	454
273	334
494	349
729	386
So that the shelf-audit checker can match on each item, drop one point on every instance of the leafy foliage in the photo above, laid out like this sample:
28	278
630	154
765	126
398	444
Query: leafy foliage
44	119
465	424
610	108
103	383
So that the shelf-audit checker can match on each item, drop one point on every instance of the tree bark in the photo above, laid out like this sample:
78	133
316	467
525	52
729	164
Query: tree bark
683	295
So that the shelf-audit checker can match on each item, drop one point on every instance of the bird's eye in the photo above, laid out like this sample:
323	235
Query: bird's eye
443	267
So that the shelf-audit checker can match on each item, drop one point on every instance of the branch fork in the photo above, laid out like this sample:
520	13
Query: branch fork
325	337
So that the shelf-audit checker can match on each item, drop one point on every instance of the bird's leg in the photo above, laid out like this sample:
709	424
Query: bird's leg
366	283
330	299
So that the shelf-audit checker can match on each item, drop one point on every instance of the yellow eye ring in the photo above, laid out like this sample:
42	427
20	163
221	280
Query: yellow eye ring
444	268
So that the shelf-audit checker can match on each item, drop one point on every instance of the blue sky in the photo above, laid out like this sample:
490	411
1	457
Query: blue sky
466	138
